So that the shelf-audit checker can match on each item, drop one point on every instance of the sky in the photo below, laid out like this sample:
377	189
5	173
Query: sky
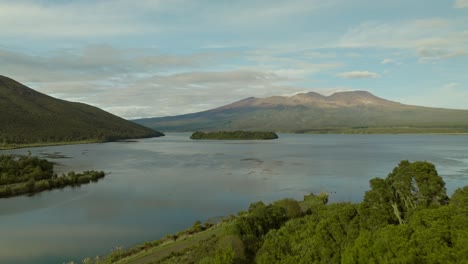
152	58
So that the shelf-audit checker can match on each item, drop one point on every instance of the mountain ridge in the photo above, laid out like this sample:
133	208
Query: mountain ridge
346	98
309	112
29	117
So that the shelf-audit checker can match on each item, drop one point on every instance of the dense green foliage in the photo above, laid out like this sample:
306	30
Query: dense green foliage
410	187
404	218
29	175
29	117
351	112
234	135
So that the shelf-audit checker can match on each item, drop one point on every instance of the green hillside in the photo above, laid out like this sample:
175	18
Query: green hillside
344	112
32	118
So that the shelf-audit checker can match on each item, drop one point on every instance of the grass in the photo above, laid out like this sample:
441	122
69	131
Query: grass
171	248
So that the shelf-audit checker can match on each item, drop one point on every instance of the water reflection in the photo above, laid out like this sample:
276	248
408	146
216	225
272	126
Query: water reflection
162	185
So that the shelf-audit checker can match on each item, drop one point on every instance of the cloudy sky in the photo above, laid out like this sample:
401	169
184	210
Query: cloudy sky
150	58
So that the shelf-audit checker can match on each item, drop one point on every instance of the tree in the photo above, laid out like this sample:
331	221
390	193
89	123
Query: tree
30	185
389	244
460	199
408	187
197	227
224	255
316	238
292	207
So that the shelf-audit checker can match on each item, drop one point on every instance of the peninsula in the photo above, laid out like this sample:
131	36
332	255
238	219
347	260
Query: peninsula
30	175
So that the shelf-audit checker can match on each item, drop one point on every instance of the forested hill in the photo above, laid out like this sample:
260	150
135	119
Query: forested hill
342	112
28	117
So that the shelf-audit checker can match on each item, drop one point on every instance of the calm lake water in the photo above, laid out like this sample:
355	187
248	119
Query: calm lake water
163	185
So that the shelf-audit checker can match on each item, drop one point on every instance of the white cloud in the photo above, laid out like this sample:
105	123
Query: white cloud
358	75
189	92
142	83
288	67
249	15
388	61
99	62
108	18
461	4
450	86
419	36
72	19
433	54
132	85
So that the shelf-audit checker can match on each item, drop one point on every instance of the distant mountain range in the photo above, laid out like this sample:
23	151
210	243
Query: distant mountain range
342	112
28	117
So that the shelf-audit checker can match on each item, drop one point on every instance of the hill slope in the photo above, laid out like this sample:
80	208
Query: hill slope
29	117
343	112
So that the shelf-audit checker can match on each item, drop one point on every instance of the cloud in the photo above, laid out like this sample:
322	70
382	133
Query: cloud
189	92
461	4
154	58
135	83
73	19
296	67
99	62
358	75
451	86
421	36
388	61
433	54
251	14
205	78
122	18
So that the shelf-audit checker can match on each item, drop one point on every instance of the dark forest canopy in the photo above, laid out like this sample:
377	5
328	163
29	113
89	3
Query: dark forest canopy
32	118
29	175
234	135
406	217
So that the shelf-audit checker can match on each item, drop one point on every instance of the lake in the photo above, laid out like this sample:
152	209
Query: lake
163	185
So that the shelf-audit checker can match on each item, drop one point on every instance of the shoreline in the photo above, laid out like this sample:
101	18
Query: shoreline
81	142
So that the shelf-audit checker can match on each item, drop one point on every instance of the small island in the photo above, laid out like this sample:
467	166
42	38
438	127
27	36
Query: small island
235	135
30	175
